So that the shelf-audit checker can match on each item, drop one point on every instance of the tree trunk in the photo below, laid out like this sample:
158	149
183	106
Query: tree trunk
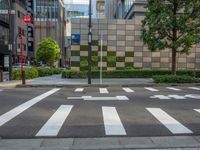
174	61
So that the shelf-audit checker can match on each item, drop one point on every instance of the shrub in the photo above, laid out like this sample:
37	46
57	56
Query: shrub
30	73
131	73
74	74
175	79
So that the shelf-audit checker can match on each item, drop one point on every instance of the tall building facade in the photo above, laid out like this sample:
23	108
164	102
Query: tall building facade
4	36
49	21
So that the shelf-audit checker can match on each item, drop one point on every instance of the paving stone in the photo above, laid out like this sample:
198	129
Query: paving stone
136	142
59	143
176	141
97	143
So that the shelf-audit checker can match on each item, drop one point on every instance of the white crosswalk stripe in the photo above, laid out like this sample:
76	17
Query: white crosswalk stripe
197	110
176	96
194	88
112	122
54	124
151	89
79	90
174	89
169	122
103	91
21	108
128	90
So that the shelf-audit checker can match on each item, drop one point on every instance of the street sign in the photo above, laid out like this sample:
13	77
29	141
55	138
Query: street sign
4	12
27	19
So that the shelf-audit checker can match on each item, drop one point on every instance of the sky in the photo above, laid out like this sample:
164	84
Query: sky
77	1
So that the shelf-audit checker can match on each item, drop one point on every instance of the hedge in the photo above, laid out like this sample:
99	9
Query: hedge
30	73
131	73
35	72
175	79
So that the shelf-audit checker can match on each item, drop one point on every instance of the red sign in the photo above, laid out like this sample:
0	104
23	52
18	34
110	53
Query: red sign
27	19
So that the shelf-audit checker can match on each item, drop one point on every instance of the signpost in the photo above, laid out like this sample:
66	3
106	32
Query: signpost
101	63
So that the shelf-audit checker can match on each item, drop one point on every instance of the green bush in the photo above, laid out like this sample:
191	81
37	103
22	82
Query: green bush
74	74
44	71
30	73
175	79
132	73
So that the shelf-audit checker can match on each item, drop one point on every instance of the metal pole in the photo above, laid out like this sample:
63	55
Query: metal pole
22	59
90	43
101	60
10	39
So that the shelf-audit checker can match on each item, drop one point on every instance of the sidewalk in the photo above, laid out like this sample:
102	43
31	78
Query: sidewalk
56	79
116	143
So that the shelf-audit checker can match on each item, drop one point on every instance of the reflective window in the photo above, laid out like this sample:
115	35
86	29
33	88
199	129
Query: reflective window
4	36
4	5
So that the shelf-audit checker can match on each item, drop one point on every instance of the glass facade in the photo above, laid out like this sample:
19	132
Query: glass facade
127	6
4	35
46	9
4	5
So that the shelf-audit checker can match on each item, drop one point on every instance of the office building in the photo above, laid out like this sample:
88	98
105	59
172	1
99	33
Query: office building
49	21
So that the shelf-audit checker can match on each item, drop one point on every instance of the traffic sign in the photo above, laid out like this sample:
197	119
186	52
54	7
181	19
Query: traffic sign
27	19
4	12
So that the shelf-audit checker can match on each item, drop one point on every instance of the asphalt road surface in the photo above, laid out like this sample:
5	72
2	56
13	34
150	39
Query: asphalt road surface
99	112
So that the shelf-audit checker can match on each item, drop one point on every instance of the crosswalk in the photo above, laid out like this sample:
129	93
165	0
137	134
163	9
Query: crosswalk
131	90
113	124
113	121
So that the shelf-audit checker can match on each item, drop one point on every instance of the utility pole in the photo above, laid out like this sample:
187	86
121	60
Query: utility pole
90	43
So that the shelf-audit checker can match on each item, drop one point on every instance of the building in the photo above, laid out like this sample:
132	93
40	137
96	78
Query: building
4	36
49	21
100	9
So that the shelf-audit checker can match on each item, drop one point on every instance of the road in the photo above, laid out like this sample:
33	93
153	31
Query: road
99	112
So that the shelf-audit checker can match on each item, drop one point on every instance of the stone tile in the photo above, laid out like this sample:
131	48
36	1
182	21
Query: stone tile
120	48
112	27
130	33
120	64
112	21
121	27
75	31
75	58
129	49
175	141
129	38
84	26
156	59
121	32
112	43
120	43
96	143
121	21
103	26
121	38
112	32
111	37
138	48
65	143
75	20
136	142
130	27
129	43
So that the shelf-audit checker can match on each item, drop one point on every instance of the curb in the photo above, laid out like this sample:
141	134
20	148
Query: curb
103	85
105	143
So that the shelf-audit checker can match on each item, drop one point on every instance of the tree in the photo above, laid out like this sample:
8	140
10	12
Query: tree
47	51
171	24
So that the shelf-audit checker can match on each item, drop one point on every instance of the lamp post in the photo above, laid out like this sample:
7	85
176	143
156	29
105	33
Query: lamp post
90	43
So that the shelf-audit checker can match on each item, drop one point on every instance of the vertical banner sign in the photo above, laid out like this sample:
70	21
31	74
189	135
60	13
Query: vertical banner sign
30	30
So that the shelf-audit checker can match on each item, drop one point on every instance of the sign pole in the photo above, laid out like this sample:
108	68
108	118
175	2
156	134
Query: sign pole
101	63
90	44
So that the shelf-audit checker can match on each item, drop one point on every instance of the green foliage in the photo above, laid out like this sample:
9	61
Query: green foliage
104	48
173	25
84	47
95	42
83	58
74	74
129	54
131	73
47	51
111	59
94	53
75	63
128	64
120	59
83	65
30	73
75	53
47	71
111	53
175	79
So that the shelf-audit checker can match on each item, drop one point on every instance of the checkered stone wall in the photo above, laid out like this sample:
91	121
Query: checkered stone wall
122	47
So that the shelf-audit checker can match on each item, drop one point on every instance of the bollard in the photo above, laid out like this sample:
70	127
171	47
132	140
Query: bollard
1	76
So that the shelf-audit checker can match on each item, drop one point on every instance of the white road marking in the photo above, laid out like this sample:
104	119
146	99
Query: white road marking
90	98
194	88
21	108
176	97
103	91
112	122
169	122
198	110
151	89
174	89
120	98
195	96
160	97
128	90
1	90
54	124
79	90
